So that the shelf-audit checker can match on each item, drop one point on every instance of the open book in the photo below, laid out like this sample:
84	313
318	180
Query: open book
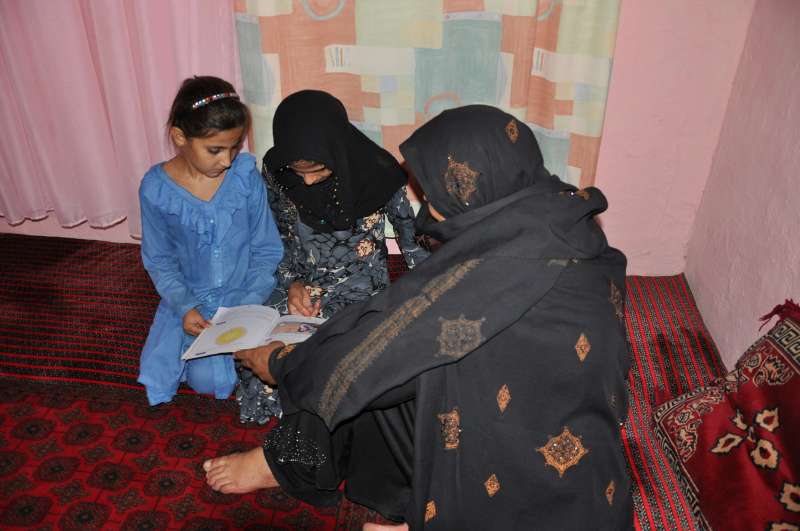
249	326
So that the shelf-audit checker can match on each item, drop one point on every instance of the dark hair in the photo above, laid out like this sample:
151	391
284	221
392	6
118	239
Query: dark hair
218	115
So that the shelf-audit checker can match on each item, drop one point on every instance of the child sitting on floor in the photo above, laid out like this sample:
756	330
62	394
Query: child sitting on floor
208	238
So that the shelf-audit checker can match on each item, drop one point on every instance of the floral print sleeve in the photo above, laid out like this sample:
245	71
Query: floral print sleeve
337	268
401	216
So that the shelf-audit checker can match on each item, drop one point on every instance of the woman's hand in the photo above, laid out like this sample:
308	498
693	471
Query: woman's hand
257	360
299	301
194	323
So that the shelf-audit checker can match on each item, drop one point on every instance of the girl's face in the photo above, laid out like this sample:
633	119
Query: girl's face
311	172
211	155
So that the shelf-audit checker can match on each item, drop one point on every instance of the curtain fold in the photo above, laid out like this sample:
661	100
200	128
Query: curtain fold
396	64
87	87
87	84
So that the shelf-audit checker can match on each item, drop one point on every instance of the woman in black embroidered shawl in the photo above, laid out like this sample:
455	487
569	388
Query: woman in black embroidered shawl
485	389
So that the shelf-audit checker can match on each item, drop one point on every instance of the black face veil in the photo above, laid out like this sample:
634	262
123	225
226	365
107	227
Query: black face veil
313	125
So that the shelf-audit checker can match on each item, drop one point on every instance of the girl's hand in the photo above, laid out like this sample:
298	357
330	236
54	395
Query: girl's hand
194	323
299	301
257	360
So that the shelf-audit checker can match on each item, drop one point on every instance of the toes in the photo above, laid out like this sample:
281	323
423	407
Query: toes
218	484
229	488
216	475
218	463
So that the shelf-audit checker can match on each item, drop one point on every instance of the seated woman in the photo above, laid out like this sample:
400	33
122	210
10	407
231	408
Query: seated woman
330	190
485	389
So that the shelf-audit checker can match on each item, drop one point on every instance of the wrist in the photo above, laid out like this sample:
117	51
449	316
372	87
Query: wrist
276	354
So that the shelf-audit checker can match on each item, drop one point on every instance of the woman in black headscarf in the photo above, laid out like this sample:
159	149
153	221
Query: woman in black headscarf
330	189
492	376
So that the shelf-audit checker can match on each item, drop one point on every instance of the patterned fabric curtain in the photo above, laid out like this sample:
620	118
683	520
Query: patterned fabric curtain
397	64
86	89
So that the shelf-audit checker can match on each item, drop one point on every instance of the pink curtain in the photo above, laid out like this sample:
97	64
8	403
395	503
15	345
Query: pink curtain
85	89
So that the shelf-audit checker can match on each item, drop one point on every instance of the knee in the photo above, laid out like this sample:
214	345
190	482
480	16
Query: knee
201	381
209	377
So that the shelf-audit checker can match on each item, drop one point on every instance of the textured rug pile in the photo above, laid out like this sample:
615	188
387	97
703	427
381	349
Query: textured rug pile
79	448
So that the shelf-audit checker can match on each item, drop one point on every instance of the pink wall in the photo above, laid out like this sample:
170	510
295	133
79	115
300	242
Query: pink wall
744	253
673	70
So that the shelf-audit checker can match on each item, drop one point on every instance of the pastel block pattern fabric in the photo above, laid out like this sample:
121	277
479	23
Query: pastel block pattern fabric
397	64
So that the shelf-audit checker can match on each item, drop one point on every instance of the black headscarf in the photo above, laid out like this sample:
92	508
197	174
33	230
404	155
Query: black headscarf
313	125
471	157
511	229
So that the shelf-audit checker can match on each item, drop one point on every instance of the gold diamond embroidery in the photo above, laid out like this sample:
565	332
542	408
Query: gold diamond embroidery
503	398
451	428
768	419
492	485
460	180
512	131
355	362
285	351
790	497
583	194
563	451
582	347
610	490
430	511
616	300
459	336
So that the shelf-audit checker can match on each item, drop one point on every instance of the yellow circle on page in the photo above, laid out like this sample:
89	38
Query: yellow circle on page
229	336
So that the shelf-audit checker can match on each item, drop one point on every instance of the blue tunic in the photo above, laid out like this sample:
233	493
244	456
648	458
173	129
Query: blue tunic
202	254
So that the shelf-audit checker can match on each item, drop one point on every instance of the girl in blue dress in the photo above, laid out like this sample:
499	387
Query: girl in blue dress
208	237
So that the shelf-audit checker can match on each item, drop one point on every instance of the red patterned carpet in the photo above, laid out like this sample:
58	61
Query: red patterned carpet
91	458
80	449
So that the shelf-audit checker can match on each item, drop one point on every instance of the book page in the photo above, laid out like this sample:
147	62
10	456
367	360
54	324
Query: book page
295	328
232	329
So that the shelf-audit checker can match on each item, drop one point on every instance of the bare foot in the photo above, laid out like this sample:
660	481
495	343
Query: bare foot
381	527
239	473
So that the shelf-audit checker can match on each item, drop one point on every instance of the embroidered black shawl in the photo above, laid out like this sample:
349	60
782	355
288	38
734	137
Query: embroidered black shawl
509	336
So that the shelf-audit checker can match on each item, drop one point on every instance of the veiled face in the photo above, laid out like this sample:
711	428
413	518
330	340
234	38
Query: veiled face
310	171
311	131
